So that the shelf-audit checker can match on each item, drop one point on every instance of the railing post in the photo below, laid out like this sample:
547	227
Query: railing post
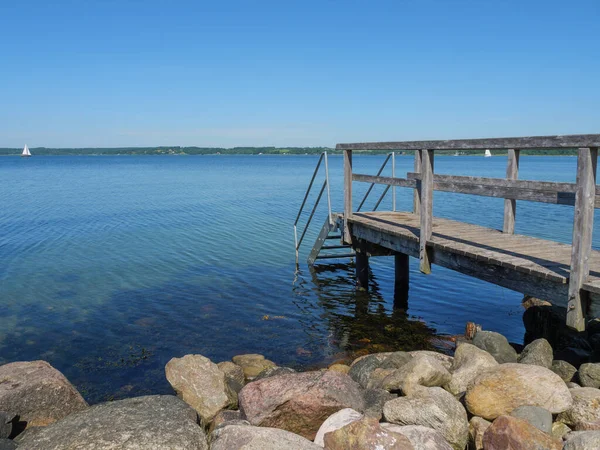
583	223
426	209
510	204
347	194
393	176
417	191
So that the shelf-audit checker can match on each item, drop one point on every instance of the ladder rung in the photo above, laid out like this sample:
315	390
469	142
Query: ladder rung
335	236
333	247
342	255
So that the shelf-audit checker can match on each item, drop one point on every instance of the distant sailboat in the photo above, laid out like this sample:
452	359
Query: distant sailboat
26	152
488	153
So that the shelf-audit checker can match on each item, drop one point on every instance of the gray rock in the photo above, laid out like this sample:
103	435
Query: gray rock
422	438
28	433
273	371
142	423
38	393
538	417
572	385
496	345
396	360
589	375
245	437
233	371
361	370
564	370
7	444
226	417
336	421
585	407
434	408
444	359
374	401
582	440
537	353
6	424
469	361
422	370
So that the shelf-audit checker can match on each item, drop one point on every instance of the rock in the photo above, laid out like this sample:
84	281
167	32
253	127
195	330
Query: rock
584	440
560	430
441	357
536	416
224	417
500	390
342	368
434	408
28	433
247	437
233	371
477	428
252	364
564	370
496	345
201	384
366	434
6	424
336	421
508	432
422	370
572	385
588	426
374	401
589	375
469	361
538	353
7	444
360	371
299	402
152	422
421	438
273	371
585	407
396	360
38	393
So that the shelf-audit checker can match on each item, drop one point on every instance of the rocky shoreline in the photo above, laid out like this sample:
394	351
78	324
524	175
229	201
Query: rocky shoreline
485	396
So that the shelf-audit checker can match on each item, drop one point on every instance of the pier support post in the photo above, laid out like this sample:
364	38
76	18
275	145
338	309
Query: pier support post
426	209
401	280
583	224
417	191
347	238
362	269
510	204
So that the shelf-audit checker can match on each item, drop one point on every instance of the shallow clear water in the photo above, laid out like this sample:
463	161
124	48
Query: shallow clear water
110	266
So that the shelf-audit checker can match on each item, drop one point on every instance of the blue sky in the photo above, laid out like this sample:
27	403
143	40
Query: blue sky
310	73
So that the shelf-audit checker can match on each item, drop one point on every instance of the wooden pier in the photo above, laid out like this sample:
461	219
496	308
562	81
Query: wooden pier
565	275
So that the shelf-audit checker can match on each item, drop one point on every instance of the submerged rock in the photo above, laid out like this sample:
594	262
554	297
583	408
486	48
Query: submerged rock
500	390
152	422
366	434
508	432
38	393
299	402
248	437
537	353
252	364
496	345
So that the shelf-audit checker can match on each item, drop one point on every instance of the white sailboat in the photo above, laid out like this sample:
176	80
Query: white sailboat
488	153
26	152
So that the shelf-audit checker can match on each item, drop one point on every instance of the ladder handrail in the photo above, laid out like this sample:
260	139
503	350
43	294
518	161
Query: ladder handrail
389	155
325	185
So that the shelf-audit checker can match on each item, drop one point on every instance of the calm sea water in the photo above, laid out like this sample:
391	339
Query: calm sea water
110	266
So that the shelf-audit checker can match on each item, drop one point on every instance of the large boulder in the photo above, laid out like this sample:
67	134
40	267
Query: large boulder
582	440
299	402
374	401
366	434
422	370
7	444
362	368
537	353
477	429
512	433
38	393
6	424
152	422
422	438
434	408
247	437
252	364
496	345
469	361
536	416
201	384
336	421
589	375
499	390
444	359
585	407
564	370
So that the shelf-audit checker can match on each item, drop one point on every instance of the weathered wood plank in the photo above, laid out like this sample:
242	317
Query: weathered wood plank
530	142
583	223
417	191
510	204
347	195
426	209
384	180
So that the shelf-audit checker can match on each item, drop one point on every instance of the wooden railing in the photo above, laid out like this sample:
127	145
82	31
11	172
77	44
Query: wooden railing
583	195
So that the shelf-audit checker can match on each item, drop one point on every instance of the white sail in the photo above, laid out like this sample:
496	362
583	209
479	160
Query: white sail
26	151
488	153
